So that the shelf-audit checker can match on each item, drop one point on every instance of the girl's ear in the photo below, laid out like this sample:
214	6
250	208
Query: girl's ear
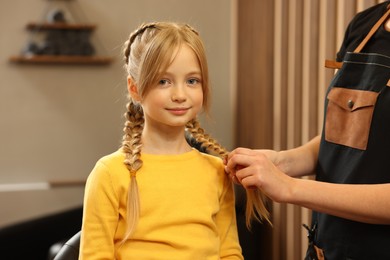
132	88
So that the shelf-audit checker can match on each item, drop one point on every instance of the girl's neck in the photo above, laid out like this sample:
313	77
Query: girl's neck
170	142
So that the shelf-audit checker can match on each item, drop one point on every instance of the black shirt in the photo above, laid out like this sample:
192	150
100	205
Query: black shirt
359	27
340	162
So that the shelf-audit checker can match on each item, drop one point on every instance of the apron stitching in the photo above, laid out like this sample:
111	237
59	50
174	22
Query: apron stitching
367	63
369	54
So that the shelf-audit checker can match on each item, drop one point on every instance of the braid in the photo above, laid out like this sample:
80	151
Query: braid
204	139
132	37
131	146
132	138
132	142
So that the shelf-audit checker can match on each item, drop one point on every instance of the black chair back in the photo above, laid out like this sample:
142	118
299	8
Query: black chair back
70	250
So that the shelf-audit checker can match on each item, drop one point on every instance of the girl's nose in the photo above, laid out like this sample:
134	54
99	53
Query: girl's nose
178	95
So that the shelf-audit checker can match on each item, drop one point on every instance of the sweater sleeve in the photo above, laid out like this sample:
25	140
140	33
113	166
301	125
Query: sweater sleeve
226	222
100	215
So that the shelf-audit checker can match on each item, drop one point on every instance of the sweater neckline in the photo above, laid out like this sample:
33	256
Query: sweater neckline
162	157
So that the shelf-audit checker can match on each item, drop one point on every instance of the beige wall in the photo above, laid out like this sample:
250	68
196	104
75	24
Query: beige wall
56	121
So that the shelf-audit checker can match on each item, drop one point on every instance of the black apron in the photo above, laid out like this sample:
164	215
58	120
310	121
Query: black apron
355	149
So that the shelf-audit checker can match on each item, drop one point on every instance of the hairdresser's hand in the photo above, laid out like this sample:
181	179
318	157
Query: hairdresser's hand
257	169
231	172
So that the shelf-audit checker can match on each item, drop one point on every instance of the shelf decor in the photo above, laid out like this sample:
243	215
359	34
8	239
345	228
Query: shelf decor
60	42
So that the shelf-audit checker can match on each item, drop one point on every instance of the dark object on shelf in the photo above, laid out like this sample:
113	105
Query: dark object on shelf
61	43
55	16
67	42
31	49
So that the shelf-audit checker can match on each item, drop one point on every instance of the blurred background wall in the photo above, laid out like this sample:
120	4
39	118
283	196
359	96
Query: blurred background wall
56	121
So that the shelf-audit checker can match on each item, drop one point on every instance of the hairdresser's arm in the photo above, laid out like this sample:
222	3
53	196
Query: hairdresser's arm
364	203
297	162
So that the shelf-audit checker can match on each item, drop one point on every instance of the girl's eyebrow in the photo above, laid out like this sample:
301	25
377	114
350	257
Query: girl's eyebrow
194	72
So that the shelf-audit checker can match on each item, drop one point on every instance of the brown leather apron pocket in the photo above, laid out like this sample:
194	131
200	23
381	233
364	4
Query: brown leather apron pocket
348	116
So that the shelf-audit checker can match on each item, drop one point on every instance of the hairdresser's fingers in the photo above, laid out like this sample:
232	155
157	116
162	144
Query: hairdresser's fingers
249	182
252	166
225	159
235	180
239	160
243	163
240	150
232	176
236	159
244	173
228	171
232	173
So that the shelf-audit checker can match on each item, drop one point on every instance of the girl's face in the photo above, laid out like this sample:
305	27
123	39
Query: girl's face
178	96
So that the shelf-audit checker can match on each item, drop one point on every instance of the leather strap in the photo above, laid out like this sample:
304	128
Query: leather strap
332	64
337	65
373	30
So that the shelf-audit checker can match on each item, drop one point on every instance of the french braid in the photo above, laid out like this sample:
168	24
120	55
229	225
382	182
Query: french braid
136	33
210	144
131	142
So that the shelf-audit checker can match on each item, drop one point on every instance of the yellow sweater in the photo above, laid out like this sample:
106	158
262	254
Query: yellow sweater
187	210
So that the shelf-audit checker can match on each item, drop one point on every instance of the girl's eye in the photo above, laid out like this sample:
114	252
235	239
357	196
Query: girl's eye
193	81
163	82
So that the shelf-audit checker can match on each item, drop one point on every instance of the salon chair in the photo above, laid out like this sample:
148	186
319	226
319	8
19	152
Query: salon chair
69	250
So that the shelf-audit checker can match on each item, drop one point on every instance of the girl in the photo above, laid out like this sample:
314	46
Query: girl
157	197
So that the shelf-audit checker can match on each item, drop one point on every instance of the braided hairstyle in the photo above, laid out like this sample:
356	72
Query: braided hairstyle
147	54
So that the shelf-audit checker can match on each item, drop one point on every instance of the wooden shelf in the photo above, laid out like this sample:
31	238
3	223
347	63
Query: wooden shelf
61	44
60	26
47	59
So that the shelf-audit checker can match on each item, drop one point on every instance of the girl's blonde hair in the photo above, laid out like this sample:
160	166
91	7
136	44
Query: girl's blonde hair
147	54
